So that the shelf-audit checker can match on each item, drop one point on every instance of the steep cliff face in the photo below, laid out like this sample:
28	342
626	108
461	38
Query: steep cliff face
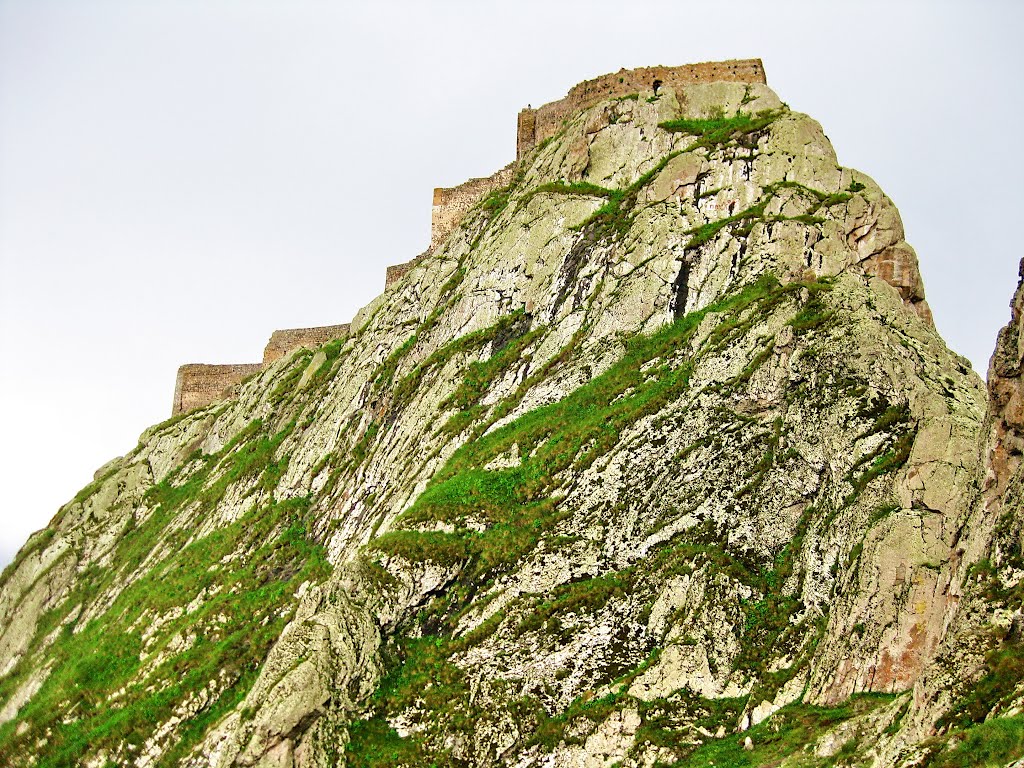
967	703
658	452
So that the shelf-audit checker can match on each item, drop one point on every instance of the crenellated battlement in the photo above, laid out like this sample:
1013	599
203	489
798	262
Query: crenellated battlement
199	385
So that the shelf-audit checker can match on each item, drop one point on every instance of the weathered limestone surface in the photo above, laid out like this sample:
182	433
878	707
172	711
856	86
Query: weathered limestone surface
979	627
656	452
1005	385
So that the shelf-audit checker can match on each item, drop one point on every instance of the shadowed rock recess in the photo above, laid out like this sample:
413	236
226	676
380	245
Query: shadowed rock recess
655	459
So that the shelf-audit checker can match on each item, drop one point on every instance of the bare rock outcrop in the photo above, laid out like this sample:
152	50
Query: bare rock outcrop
654	456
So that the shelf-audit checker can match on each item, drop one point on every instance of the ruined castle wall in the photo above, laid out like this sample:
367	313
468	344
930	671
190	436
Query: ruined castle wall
198	385
396	272
283	342
451	203
547	120
526	131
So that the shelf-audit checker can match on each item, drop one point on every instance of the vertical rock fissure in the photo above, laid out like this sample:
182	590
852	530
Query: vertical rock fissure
681	289
570	270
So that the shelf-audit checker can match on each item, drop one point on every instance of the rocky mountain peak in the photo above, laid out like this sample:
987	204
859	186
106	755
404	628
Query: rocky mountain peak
654	458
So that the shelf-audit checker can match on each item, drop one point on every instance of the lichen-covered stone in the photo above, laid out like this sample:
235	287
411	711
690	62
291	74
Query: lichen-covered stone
657	453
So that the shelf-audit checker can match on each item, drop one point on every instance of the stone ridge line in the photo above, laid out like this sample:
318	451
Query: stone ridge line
199	385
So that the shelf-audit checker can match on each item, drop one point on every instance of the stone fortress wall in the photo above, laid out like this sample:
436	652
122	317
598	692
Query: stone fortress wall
536	125
199	385
396	272
452	203
283	342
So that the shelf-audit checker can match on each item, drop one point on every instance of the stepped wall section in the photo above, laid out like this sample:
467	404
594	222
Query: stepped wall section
283	342
199	385
536	125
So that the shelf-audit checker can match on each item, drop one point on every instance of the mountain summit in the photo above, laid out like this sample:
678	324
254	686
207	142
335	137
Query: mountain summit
653	458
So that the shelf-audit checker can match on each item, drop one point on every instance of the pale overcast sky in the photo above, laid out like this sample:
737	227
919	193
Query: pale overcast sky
179	178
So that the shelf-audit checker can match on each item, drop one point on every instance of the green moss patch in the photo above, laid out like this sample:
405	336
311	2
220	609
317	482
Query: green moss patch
720	131
990	744
107	689
784	734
